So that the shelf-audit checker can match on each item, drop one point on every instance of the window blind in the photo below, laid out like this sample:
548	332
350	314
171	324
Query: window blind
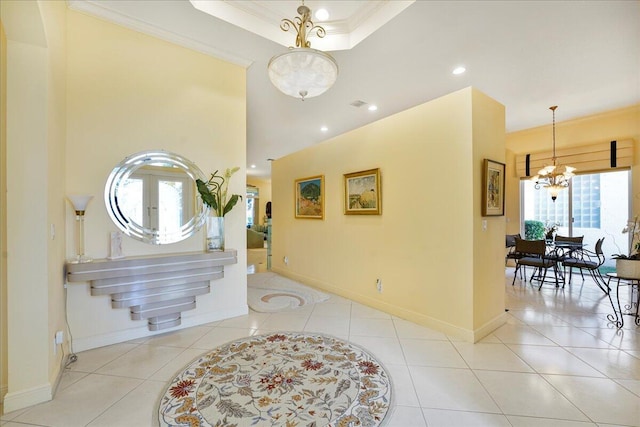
585	158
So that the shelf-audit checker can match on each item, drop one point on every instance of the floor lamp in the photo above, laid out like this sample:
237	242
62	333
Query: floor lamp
80	203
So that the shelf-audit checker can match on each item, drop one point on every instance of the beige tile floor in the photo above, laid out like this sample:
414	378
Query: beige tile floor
557	362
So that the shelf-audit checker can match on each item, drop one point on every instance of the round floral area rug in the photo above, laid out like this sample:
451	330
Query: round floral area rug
280	379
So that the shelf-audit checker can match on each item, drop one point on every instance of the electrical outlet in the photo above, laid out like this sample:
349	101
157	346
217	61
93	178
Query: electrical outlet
57	340
379	285
285	260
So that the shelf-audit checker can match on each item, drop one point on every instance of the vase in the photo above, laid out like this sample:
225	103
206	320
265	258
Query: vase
628	268
215	233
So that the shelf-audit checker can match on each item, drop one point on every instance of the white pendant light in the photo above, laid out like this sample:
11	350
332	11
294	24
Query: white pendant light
303	72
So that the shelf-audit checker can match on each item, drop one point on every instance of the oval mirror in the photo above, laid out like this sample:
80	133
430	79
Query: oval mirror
152	197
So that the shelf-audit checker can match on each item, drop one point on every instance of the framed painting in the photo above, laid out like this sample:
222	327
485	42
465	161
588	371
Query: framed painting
310	197
362	193
492	188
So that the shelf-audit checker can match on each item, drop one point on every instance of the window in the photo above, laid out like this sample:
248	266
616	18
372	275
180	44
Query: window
595	205
586	201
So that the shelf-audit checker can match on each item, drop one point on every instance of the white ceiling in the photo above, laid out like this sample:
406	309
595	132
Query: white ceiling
583	56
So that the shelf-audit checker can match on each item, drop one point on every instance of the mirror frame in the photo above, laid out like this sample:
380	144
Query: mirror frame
123	171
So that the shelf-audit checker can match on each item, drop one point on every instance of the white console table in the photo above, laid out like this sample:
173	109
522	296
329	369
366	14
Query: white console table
157	288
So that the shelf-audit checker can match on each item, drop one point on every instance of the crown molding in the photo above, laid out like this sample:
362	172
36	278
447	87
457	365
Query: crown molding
341	34
100	10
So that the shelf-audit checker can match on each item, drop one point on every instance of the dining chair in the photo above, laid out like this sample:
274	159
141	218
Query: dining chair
510	244
590	261
564	246
533	253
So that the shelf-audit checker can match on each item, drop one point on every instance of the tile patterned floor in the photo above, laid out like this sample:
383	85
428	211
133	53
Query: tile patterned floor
557	362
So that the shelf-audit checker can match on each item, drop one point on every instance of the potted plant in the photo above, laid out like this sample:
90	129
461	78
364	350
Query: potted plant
533	230
214	195
550	229
628	265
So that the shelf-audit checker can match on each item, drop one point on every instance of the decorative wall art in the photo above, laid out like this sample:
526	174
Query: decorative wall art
115	245
362	193
492	188
310	197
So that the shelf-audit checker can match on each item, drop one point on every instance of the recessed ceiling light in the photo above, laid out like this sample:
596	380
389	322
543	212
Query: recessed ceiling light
322	14
253	166
324	128
372	107
459	70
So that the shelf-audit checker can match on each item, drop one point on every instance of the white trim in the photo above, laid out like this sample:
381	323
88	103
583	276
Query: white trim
101	11
489	327
29	397
142	331
467	335
341	34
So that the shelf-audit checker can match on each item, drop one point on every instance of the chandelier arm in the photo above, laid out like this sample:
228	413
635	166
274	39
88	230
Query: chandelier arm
320	31
286	24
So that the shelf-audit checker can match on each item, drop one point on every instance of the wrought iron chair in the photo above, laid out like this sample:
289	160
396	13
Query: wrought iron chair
510	244
564	247
584	259
533	254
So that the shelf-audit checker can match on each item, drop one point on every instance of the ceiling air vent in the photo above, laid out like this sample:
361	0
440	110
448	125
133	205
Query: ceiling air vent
358	103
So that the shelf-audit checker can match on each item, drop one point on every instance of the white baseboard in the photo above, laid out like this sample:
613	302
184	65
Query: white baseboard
142	331
33	396
3	391
24	398
467	335
489	327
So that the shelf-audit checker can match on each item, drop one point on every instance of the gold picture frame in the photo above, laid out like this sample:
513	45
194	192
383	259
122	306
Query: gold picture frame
309	201
362	193
493	179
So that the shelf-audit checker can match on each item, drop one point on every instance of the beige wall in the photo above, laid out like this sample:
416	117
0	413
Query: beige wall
264	187
426	247
35	99
81	95
54	23
128	92
3	212
488	118
617	124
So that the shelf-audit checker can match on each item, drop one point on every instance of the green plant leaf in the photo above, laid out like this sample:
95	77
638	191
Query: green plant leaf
208	198
231	203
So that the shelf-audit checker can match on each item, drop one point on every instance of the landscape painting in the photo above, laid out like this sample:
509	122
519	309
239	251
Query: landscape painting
492	188
362	193
310	197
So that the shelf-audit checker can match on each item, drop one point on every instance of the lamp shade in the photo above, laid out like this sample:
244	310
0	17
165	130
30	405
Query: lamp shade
303	72
79	201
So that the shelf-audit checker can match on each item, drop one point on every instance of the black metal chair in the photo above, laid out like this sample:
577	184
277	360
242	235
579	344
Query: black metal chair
564	246
533	253
584	259
510	244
